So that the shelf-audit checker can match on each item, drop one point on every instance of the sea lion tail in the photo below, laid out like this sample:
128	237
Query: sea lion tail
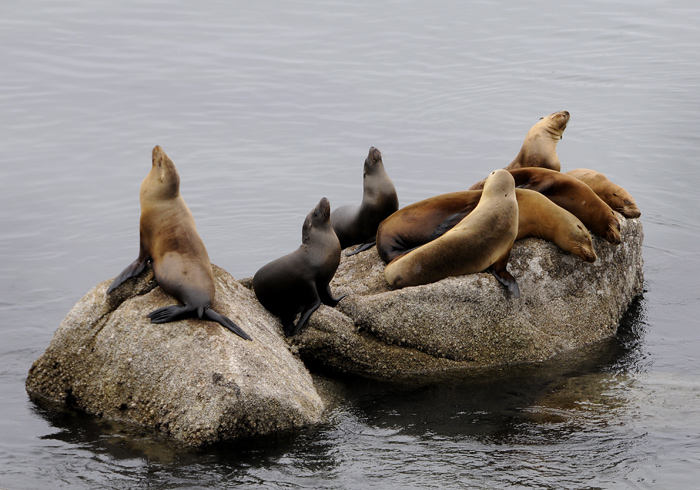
225	321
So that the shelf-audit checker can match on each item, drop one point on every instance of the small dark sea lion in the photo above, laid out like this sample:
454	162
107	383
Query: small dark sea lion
358	224
300	281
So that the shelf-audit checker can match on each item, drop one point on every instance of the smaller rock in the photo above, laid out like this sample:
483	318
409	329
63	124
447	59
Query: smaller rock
192	379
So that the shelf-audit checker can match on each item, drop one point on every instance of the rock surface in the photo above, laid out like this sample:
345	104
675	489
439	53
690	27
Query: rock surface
470	322
192	379
200	383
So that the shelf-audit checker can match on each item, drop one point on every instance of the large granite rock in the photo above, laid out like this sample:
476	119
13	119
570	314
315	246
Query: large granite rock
200	383
192	379
470	322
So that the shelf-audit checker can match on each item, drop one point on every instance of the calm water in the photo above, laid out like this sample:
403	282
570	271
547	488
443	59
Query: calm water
264	110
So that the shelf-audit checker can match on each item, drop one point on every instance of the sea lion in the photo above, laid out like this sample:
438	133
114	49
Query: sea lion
169	239
424	221
614	196
540	146
358	224
480	241
300	281
574	196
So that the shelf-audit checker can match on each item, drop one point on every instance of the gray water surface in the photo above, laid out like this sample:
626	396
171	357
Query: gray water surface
265	107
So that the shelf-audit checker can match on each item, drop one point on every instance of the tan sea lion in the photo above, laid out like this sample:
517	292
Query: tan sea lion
614	196
574	196
480	241
169	239
540	146
424	221
358	224
300	281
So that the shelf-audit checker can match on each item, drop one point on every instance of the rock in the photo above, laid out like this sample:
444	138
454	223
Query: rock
192	379
200	383
470	322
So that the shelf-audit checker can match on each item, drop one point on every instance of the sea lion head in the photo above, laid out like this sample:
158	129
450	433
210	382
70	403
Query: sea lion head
582	243
163	181
499	183
555	123
373	161
626	205
613	231
630	210
318	218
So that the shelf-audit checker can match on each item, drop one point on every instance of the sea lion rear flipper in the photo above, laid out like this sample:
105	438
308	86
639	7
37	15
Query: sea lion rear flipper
498	269
169	313
369	243
225	321
131	270
305	315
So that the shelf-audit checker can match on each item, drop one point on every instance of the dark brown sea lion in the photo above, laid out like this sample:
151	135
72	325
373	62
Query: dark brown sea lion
300	281
169	238
424	221
615	196
480	241
358	224
574	196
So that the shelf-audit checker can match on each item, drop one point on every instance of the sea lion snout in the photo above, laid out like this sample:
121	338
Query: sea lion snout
324	207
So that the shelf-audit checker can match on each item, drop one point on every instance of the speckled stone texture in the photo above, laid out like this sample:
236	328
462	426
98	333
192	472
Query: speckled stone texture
200	383
192	379
471	322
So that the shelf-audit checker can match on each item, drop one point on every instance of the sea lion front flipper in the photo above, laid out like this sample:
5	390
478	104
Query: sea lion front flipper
305	315
447	225
131	270
327	297
369	243
225	321
498	269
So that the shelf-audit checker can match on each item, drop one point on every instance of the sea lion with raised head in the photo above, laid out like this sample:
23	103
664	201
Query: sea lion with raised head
355	224
300	281
540	146
424	221
480	241
169	239
614	196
